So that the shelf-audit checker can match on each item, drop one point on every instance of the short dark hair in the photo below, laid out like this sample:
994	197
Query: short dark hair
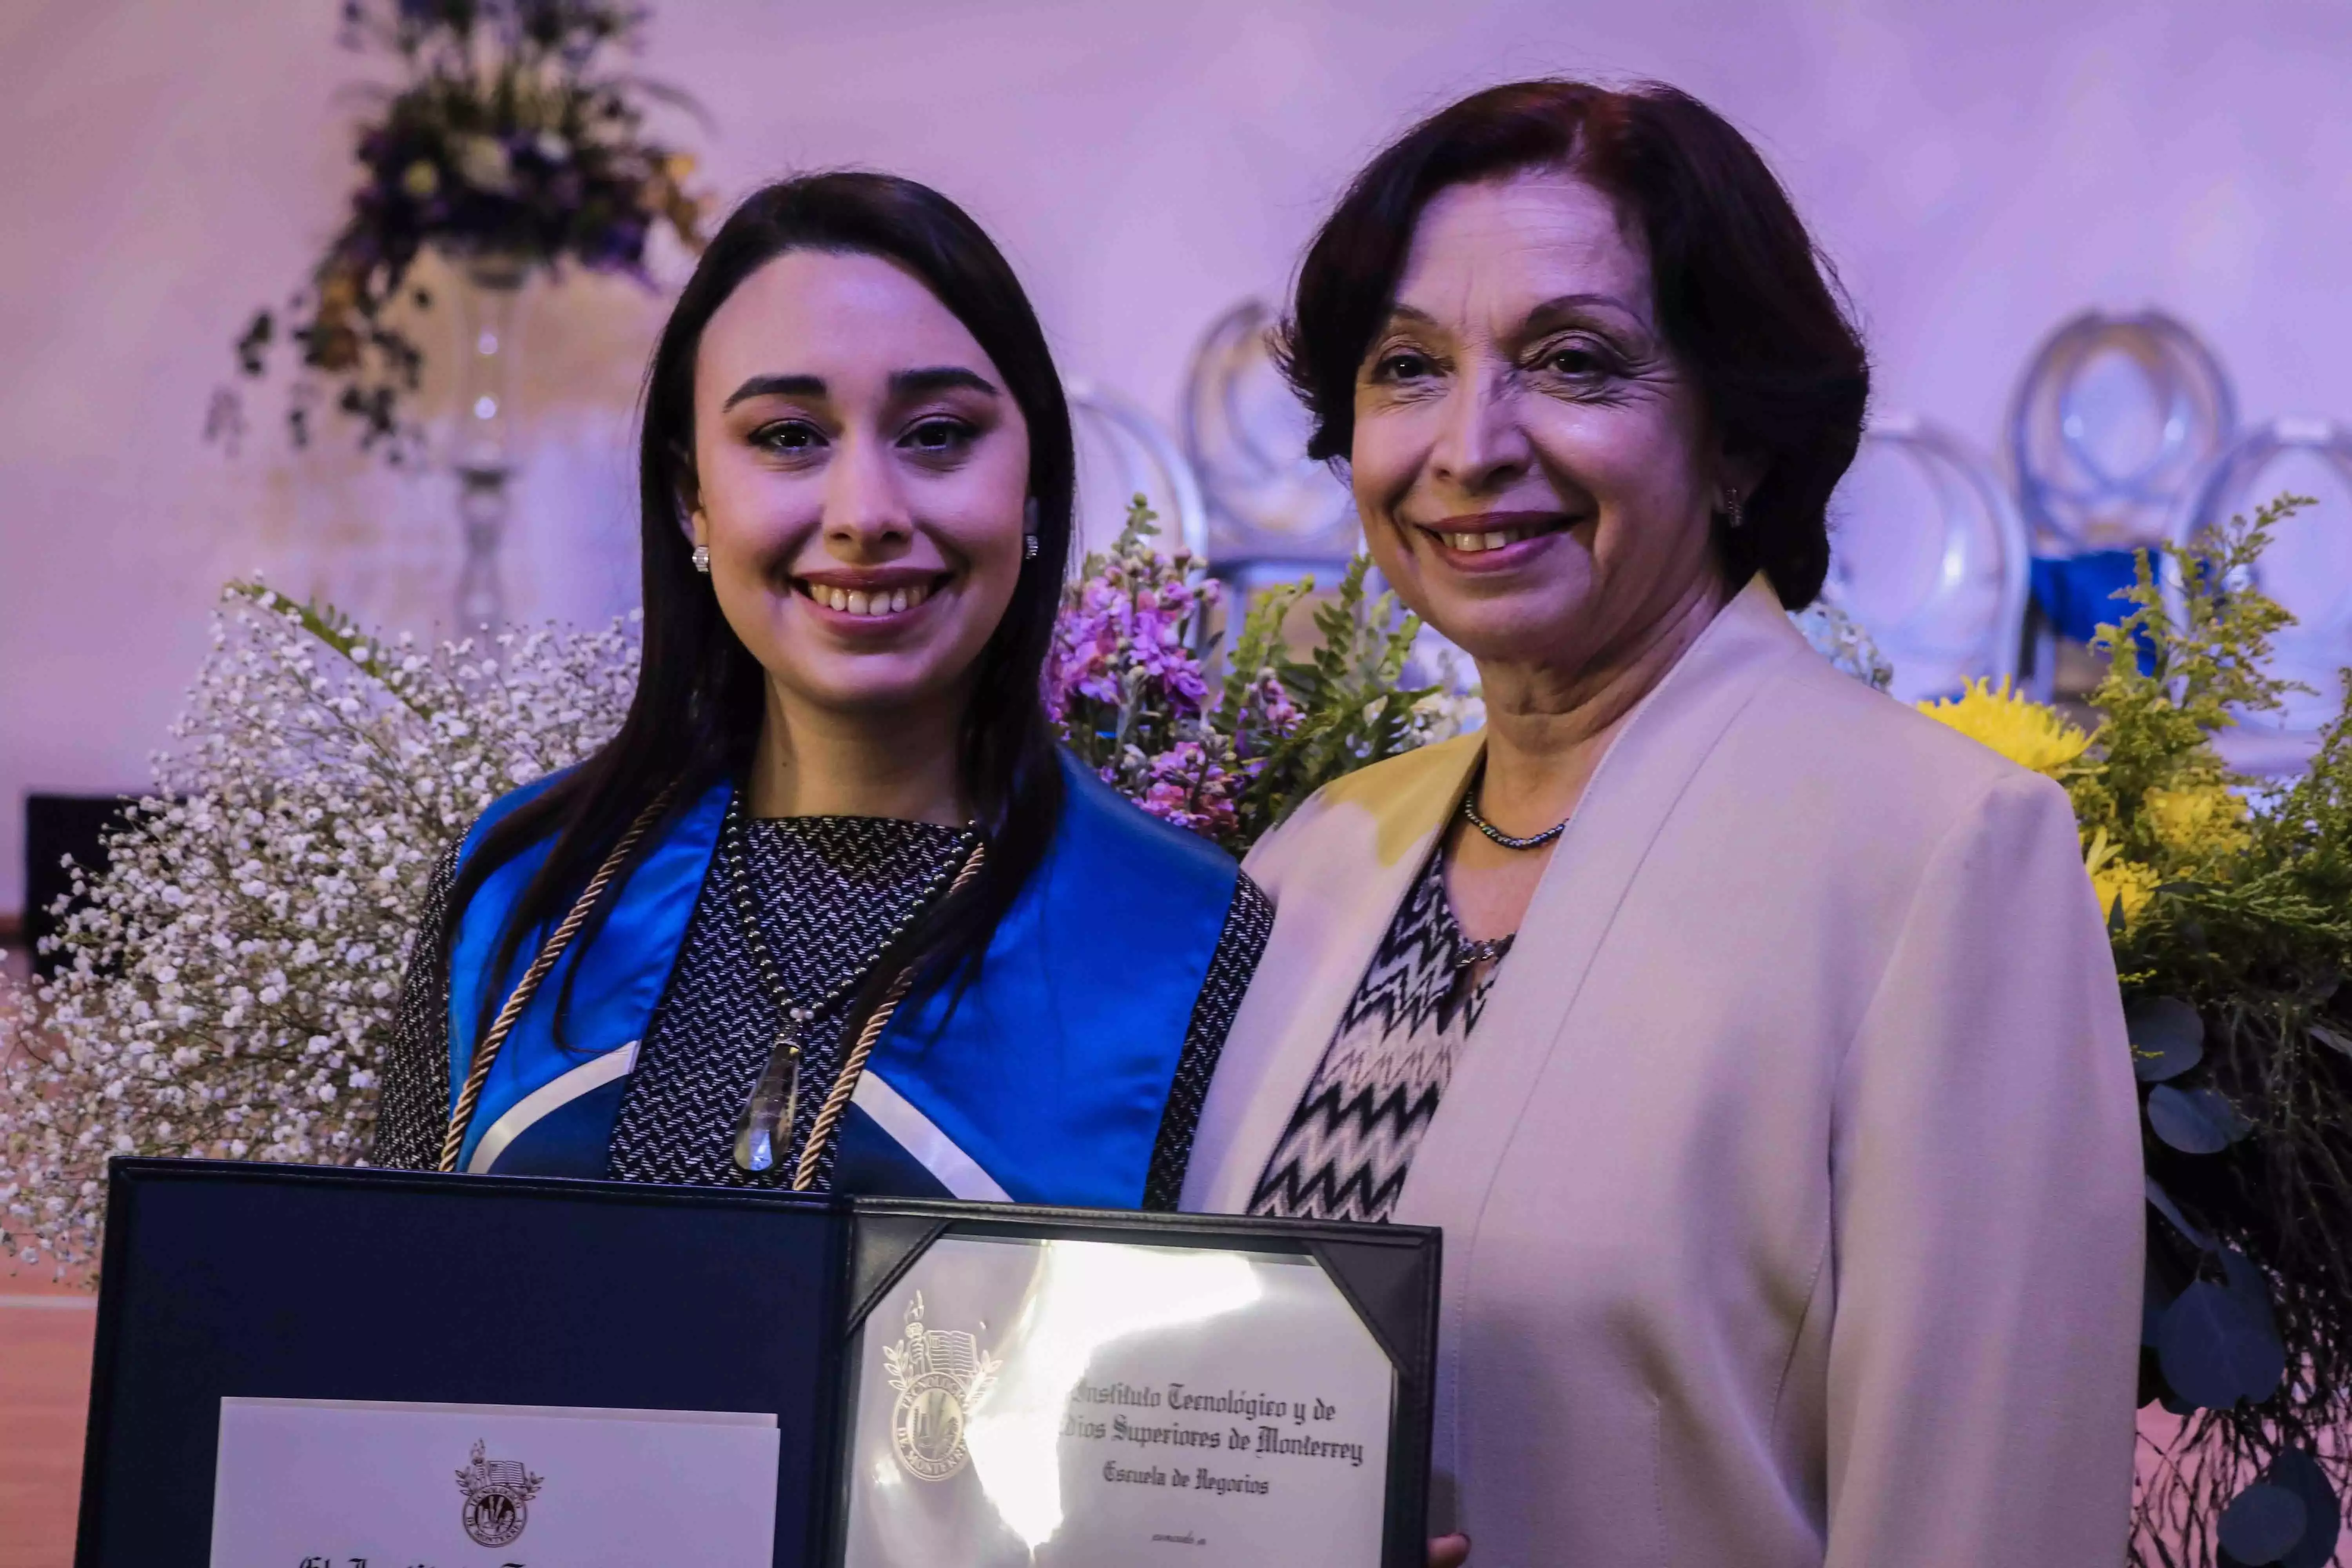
1746	300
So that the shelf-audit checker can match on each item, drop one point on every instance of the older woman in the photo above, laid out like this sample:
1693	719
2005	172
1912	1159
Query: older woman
1754	1040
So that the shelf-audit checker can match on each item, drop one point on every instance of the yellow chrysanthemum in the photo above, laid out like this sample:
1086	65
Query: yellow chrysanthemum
2029	733
2204	822
2117	881
2126	882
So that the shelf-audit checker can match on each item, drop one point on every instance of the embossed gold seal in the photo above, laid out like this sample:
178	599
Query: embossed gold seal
942	1377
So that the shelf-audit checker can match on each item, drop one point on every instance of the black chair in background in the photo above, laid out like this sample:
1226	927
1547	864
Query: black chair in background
57	826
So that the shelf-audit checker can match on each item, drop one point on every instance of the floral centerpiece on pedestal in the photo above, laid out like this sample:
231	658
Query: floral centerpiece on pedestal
515	144
2230	908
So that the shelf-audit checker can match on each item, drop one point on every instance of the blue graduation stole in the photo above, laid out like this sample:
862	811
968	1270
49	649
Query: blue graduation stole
1043	1082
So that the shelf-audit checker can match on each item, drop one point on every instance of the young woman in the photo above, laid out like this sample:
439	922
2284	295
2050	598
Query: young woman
832	910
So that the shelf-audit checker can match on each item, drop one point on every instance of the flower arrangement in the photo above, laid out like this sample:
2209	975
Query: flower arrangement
513	144
1127	684
2229	909
230	983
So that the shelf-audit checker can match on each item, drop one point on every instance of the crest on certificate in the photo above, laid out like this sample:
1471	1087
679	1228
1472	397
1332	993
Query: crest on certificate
497	1497
942	1377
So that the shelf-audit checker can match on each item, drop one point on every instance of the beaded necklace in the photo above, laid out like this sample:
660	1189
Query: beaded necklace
767	1121
1533	841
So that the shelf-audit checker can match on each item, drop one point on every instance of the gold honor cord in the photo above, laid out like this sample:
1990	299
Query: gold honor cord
853	1067
486	1056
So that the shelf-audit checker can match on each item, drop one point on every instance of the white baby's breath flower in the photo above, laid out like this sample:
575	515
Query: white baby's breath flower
314	779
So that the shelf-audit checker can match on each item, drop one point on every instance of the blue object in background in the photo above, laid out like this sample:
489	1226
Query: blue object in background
2080	594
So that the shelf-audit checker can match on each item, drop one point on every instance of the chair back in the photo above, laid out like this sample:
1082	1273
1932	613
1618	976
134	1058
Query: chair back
2307	569
1929	554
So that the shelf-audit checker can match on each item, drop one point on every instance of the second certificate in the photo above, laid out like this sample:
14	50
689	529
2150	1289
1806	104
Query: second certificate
1069	1402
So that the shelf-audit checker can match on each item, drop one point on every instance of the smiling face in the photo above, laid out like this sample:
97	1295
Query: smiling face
861	479
1533	468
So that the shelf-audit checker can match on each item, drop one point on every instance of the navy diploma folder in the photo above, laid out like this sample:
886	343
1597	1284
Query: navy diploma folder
229	1280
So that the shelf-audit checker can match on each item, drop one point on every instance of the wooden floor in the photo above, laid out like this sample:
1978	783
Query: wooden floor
45	1338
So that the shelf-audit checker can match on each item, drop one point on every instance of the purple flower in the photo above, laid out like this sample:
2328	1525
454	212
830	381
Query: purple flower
1129	614
1122	677
1187	786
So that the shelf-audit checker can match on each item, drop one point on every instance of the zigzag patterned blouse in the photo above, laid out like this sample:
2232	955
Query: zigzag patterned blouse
1349	1145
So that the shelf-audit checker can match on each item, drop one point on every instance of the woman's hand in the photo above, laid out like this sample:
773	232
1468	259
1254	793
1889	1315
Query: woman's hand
1449	1551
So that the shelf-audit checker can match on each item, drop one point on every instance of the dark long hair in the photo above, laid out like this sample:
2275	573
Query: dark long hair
694	719
1748	303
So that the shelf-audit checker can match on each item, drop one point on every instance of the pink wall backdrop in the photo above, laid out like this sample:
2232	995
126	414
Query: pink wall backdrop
1977	170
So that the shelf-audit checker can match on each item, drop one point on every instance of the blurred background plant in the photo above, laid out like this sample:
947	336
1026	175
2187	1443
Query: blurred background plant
515	144
229	983
1129	684
2230	908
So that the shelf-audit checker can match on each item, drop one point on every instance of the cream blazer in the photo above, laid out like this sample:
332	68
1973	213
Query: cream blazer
1790	1183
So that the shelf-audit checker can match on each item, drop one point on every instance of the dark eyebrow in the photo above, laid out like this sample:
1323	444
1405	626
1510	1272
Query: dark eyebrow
777	386
938	378
903	384
1541	317
1549	312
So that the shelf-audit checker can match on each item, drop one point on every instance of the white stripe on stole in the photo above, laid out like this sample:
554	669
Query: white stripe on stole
547	1098
934	1150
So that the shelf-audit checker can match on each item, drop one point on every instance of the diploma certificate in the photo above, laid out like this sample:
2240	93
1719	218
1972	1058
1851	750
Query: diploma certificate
325	1483
1078	1402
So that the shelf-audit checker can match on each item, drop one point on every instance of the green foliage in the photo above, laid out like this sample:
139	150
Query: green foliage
2249	1143
2172	682
1350	710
